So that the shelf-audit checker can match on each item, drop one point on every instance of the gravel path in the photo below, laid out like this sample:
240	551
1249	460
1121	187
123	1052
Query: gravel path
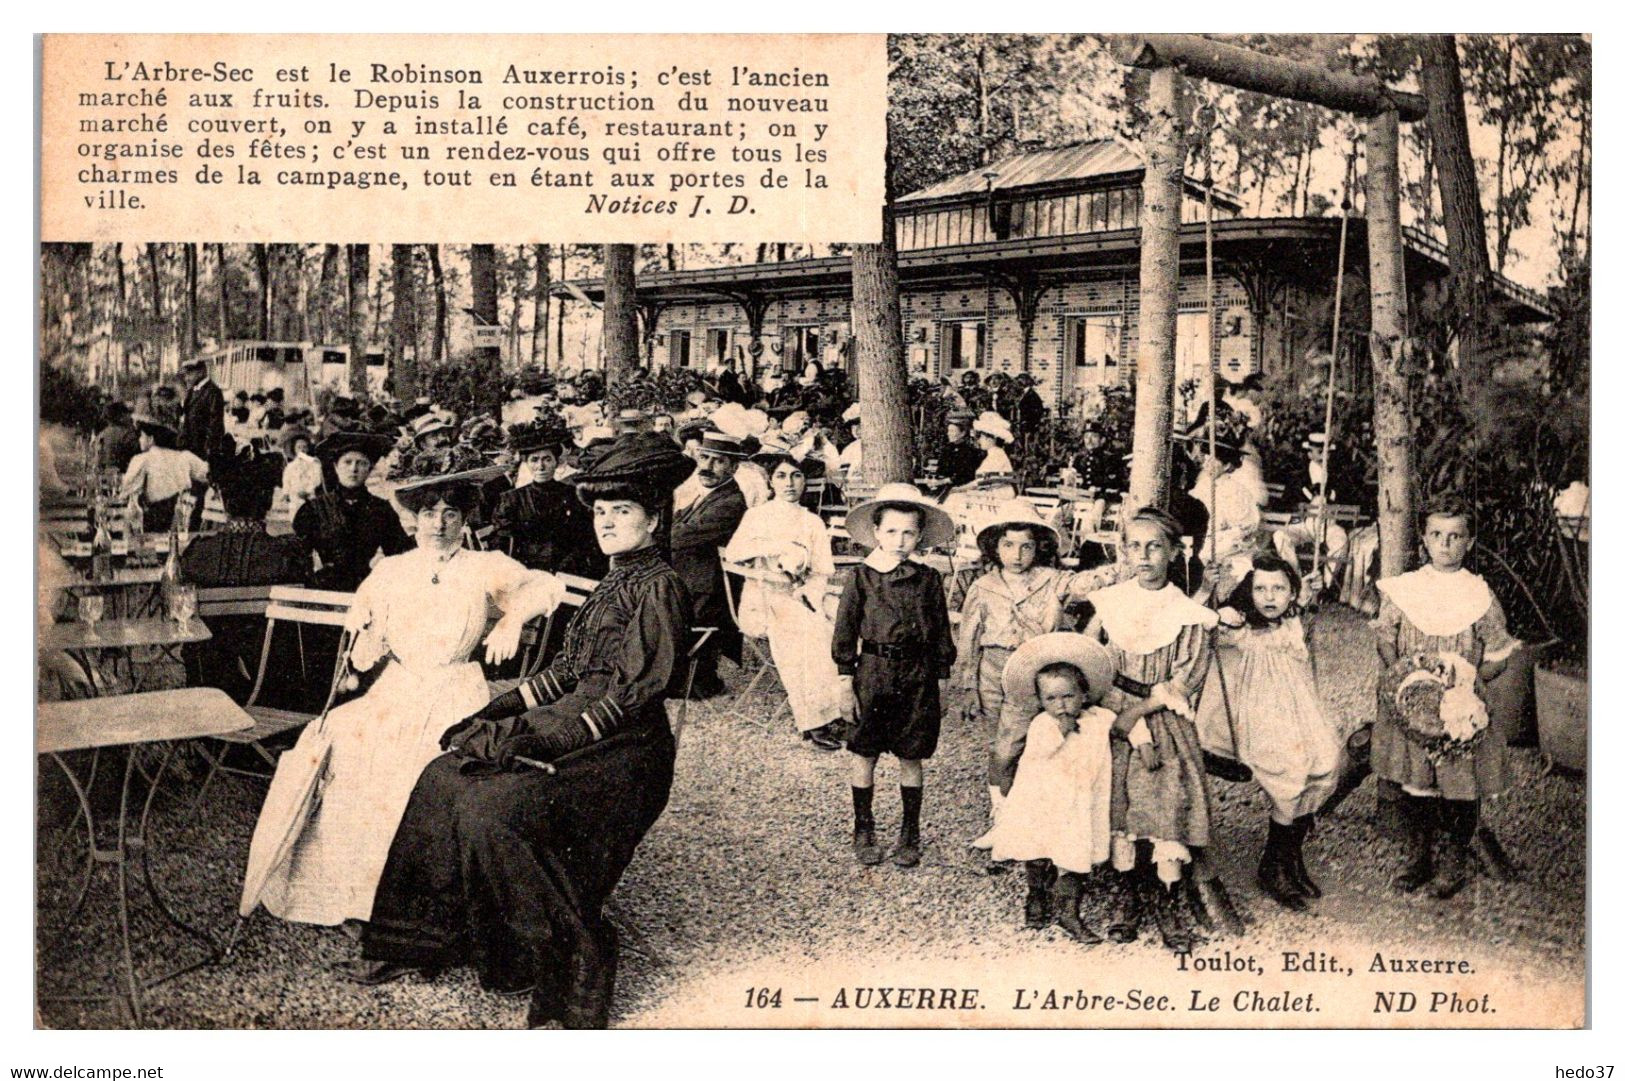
747	880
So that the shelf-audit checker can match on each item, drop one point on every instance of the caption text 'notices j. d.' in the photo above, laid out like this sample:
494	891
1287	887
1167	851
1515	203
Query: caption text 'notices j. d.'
610	138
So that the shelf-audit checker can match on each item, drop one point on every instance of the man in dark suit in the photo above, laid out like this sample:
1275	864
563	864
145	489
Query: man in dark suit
699	527
203	416
203	426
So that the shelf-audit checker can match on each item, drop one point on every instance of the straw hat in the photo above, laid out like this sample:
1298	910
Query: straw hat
936	528
734	419
728	445
1090	657
1018	511
435	420
990	423
461	476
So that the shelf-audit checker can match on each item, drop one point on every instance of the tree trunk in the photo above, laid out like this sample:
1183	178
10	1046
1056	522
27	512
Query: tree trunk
564	275
1247	69
538	329
437	348
301	308
262	267
877	334
324	291
620	311
482	274
1393	422
403	324
984	135
1503	231
360	269
1164	144
224	274
190	340
1458	191
156	337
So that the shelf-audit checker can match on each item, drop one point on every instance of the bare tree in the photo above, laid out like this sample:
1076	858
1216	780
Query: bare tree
620	310
403	322
360	269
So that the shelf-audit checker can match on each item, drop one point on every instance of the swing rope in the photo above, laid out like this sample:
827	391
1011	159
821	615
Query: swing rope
1229	768
1331	366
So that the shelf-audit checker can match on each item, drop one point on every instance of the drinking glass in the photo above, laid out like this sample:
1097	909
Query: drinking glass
183	604
91	608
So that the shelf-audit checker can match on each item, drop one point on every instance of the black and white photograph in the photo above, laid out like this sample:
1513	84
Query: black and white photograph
1147	588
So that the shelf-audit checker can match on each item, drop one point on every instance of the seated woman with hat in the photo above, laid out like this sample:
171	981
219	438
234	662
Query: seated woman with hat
791	545
345	525
993	434
539	521
512	843
160	473
421	614
302	475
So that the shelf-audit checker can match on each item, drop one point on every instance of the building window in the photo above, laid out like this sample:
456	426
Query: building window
1193	353
963	345
717	341
677	342
1094	344
801	347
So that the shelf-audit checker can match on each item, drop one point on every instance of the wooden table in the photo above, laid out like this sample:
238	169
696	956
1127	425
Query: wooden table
136	585
133	721
123	635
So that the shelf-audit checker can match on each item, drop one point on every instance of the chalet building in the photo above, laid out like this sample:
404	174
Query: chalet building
1033	265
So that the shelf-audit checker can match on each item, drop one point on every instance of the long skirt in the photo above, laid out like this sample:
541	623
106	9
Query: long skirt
1170	803
381	742
508	871
799	641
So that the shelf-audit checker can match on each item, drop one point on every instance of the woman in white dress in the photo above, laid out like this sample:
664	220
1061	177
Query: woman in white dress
791	546
420	614
993	434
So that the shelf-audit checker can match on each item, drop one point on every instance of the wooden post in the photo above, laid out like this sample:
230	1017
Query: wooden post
1164	144
1392	415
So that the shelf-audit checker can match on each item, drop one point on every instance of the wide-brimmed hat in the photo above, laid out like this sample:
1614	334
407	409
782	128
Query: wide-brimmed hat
155	426
628	421
991	423
288	436
1036	654
733	419
729	446
961	417
537	435
936	528
796	422
1018	511
424	481
776	450
338	444
435	420
646	460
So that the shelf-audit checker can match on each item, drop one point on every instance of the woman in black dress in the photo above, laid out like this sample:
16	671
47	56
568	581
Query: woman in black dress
512	843
540	522
345	525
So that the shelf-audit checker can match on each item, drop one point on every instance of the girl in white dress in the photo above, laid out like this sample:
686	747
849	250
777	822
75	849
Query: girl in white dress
790	545
1057	817
1281	729
421	614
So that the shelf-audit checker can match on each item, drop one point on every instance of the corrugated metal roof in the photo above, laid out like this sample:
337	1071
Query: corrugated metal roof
1080	161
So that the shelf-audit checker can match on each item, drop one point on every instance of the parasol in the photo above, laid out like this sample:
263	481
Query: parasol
288	806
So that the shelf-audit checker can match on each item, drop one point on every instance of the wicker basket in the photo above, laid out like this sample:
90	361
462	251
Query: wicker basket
1562	711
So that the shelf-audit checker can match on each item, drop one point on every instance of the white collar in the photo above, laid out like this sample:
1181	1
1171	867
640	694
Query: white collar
1441	605
884	561
1140	620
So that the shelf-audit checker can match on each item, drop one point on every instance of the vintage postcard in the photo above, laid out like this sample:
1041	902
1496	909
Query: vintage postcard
821	532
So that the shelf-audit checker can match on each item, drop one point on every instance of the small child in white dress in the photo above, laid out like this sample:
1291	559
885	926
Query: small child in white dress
1057	816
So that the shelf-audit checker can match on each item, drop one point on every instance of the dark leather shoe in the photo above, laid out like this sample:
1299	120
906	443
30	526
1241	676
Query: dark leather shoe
591	970
823	739
864	848
907	851
376	973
